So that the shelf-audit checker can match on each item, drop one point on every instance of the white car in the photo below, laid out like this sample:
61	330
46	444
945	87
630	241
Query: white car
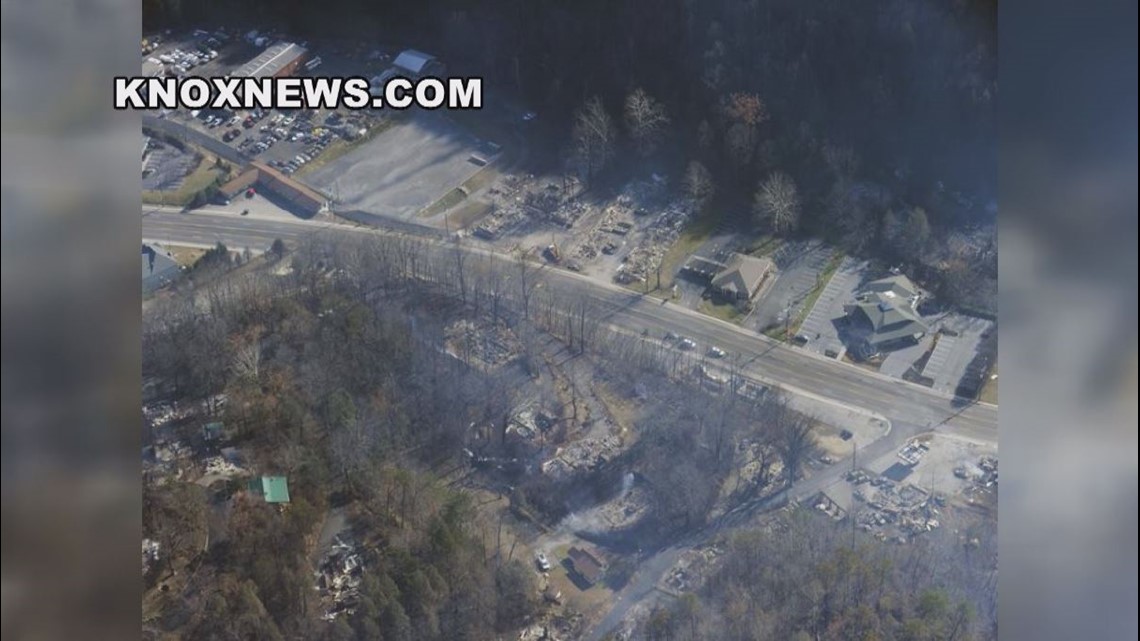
542	562
716	352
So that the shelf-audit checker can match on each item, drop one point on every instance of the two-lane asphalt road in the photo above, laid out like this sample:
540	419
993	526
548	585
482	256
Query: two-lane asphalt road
763	358
171	226
912	409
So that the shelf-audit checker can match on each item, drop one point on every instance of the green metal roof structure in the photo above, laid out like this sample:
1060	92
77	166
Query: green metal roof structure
213	430
275	489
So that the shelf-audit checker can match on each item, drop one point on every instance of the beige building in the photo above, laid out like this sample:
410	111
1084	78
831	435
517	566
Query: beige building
742	277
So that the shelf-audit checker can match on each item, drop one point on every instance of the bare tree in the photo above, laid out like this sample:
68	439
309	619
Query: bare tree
777	203
246	348
461	273
646	120
842	161
699	184
594	136
795	443
528	280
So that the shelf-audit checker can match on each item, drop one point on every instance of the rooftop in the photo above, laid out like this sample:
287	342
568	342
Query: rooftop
742	275
413	61
275	489
586	564
897	285
270	61
157	263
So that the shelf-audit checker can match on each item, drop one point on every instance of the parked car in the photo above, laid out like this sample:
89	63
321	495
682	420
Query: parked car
686	344
542	562
716	352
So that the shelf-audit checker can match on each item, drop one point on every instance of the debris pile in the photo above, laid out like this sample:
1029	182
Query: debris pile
646	257
150	550
518	199
171	452
529	423
609	232
490	344
626	509
338	579
894	512
691	570
825	504
983	479
538	632
589	453
913	451
160	414
219	466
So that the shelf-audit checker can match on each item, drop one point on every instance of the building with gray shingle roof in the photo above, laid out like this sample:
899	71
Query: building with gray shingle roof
884	314
742	277
158	267
281	59
417	64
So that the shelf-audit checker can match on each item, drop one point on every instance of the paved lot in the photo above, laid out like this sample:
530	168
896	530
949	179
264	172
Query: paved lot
402	170
952	354
718	247
819	326
166	167
799	265
899	361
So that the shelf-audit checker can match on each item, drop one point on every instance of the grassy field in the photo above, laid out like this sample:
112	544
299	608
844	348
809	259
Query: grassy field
586	601
690	239
989	393
449	200
813	295
776	332
202	176
765	246
486	176
478	181
186	256
724	311
467	213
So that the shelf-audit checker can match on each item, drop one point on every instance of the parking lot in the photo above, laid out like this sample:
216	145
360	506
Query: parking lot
287	140
798	265
403	169
166	166
899	361
953	353
818	327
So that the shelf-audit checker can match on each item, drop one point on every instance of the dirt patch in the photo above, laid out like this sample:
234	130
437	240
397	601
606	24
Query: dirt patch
186	256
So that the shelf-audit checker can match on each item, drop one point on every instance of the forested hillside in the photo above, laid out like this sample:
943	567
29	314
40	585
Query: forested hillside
868	124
